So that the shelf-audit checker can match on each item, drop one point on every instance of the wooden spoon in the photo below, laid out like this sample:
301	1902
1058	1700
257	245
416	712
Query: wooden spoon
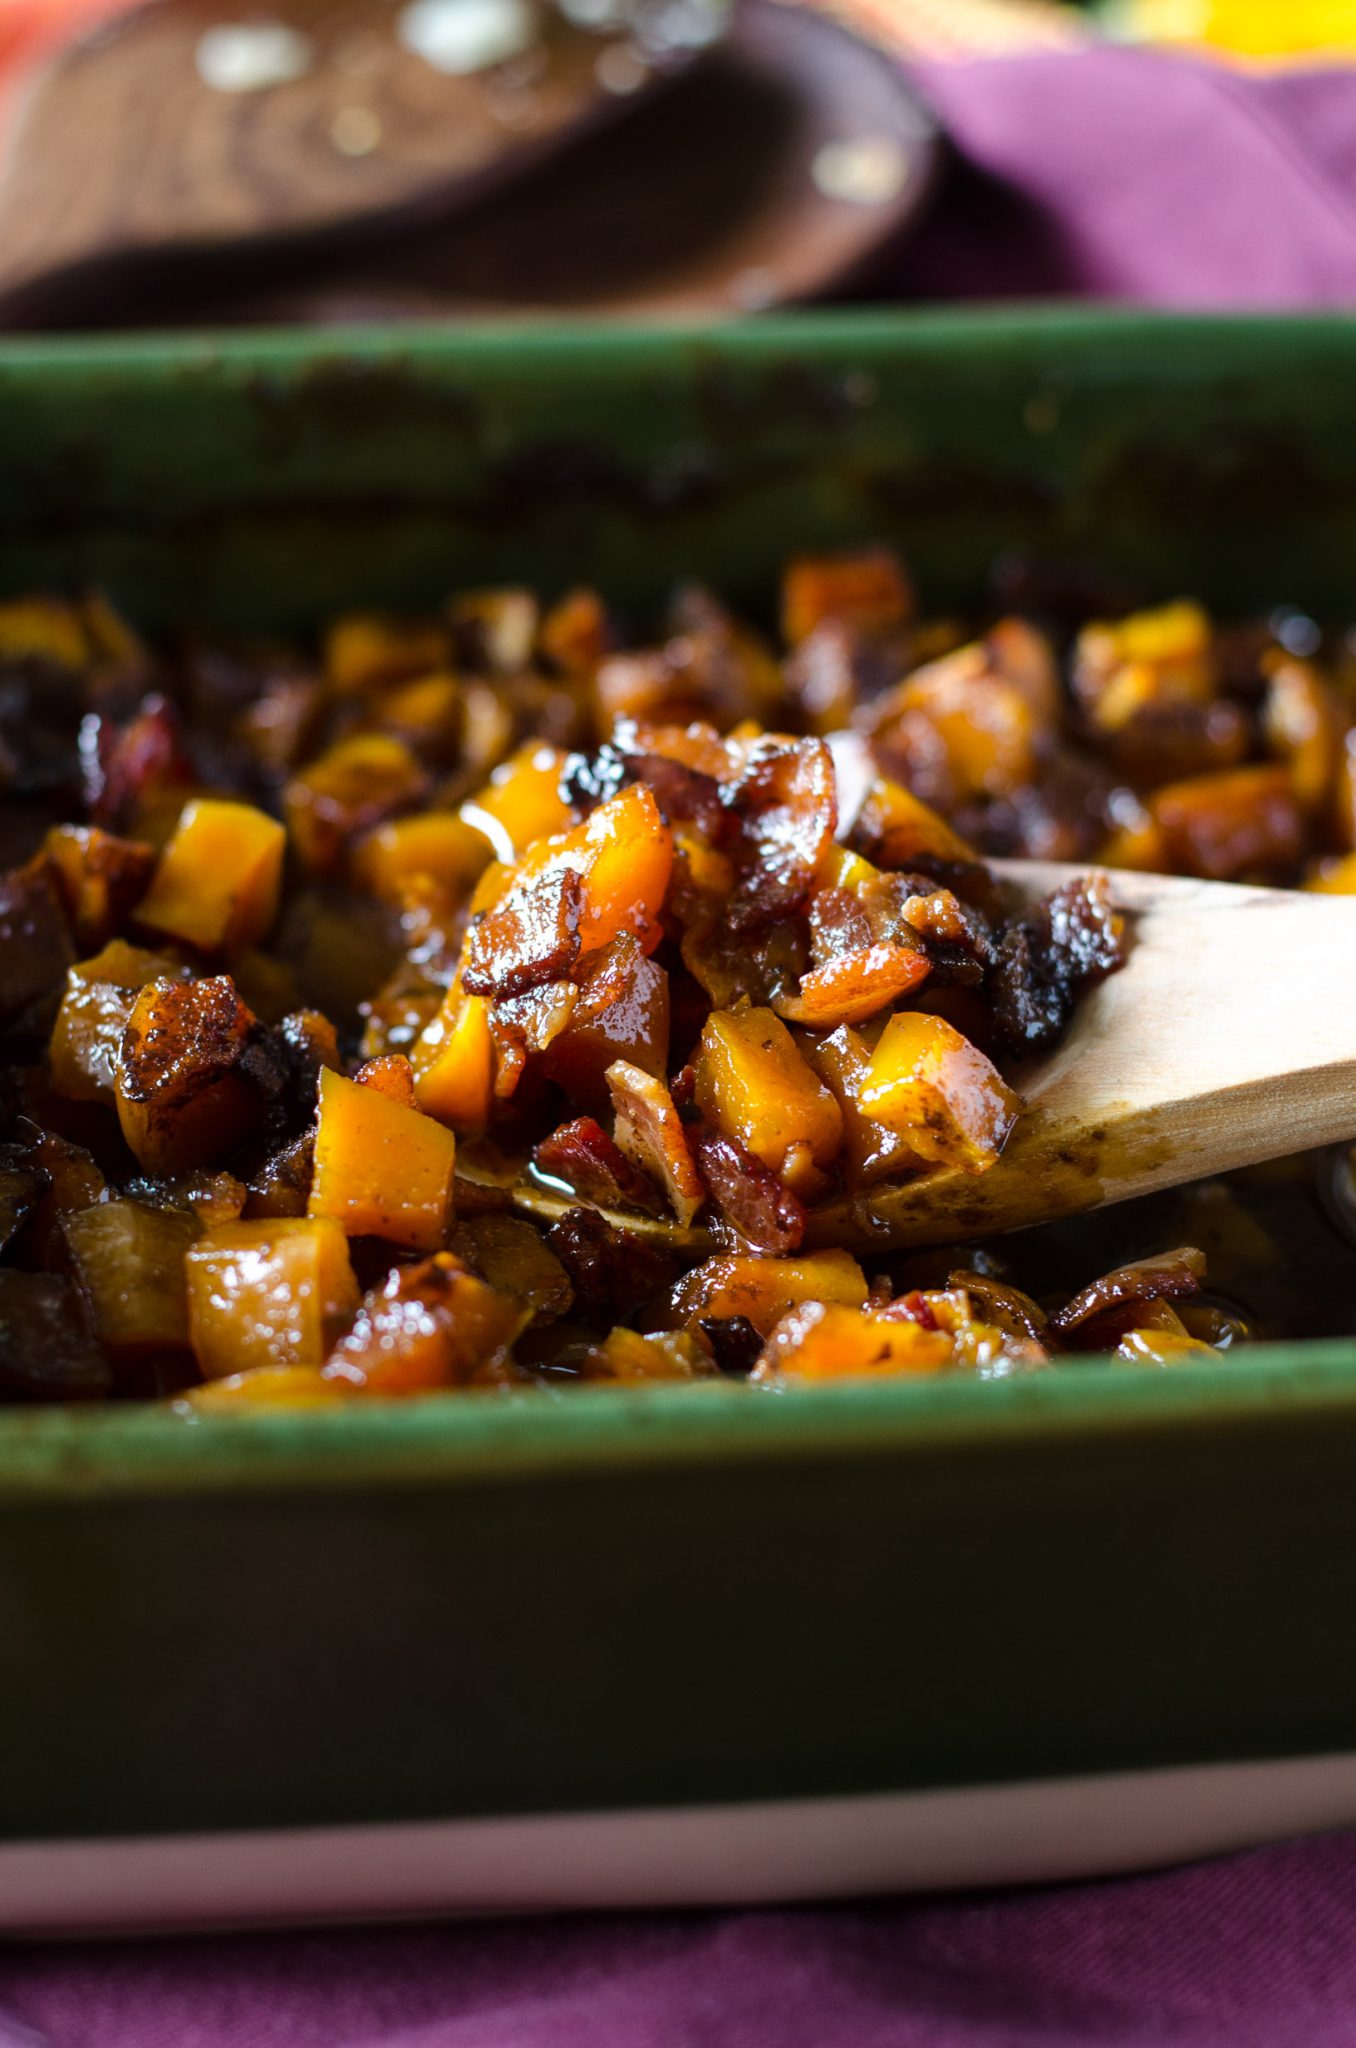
1228	1038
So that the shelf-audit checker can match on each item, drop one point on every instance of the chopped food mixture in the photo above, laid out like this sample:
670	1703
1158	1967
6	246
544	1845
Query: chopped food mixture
479	1000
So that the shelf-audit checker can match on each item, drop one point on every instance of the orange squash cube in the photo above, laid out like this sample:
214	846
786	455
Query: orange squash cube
871	1150
825	1341
869	591
623	855
762	1290
427	846
94	1011
129	1263
896	827
1334	877
365	651
521	803
753	1084
269	1293
391	1074
939	1092
184	1099
428	1326
100	878
352	787
265	1386
855	986
217	882
454	1063
43	629
381	1170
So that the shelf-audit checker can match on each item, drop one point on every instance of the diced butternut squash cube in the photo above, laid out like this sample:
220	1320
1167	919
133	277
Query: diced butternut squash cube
428	846
896	828
575	634
364	651
1305	726
428	1326
521	803
623	855
762	1290
43	629
869	591
1244	822
753	1084
352	787
856	986
184	1097
1150	659
454	1063
218	879
266	1386
626	1355
93	1016
427	711
871	1150
271	1293
129	1262
939	1092
1334	877
381	1170
100	878
824	1341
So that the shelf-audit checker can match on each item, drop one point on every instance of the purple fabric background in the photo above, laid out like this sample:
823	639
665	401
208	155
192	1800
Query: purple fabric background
1125	174
1119	174
1255	1952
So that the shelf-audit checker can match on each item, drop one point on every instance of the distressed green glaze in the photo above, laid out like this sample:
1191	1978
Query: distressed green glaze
481	1605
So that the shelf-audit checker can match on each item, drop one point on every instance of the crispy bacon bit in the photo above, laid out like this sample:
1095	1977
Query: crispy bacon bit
1169	1276
429	1325
651	1133
786	799
758	1207
583	1156
613	1272
523	1025
124	765
913	1307
533	936
1046	960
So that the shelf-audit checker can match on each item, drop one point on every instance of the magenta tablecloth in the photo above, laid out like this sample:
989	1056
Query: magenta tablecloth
1112	173
1255	1952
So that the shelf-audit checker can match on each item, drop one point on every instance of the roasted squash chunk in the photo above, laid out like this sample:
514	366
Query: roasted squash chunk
129	1262
94	1013
763	1290
753	1084
381	1170
269	1293
428	847
100	877
218	879
428	1326
821	1340
939	1092
184	1096
521	803
454	1062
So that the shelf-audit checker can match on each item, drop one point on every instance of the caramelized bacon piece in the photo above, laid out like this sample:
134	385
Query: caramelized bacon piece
758	1207
854	987
786	804
653	1136
1045	960
135	769
47	1352
583	1156
100	877
531	937
613	1272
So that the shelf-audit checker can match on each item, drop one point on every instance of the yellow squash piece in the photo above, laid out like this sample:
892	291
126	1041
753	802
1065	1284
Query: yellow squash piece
381	1170
98	1001
939	1092
825	1341
521	802
218	879
129	1261
754	1085
762	1290
454	1063
427	846
270	1293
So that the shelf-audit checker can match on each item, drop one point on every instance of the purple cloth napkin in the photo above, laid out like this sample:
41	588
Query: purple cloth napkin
1128	174
1113	173
1255	1952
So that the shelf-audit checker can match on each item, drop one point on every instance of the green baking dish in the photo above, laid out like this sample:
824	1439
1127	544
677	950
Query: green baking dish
701	1643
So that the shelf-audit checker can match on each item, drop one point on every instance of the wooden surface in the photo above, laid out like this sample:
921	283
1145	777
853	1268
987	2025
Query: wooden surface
1228	1038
